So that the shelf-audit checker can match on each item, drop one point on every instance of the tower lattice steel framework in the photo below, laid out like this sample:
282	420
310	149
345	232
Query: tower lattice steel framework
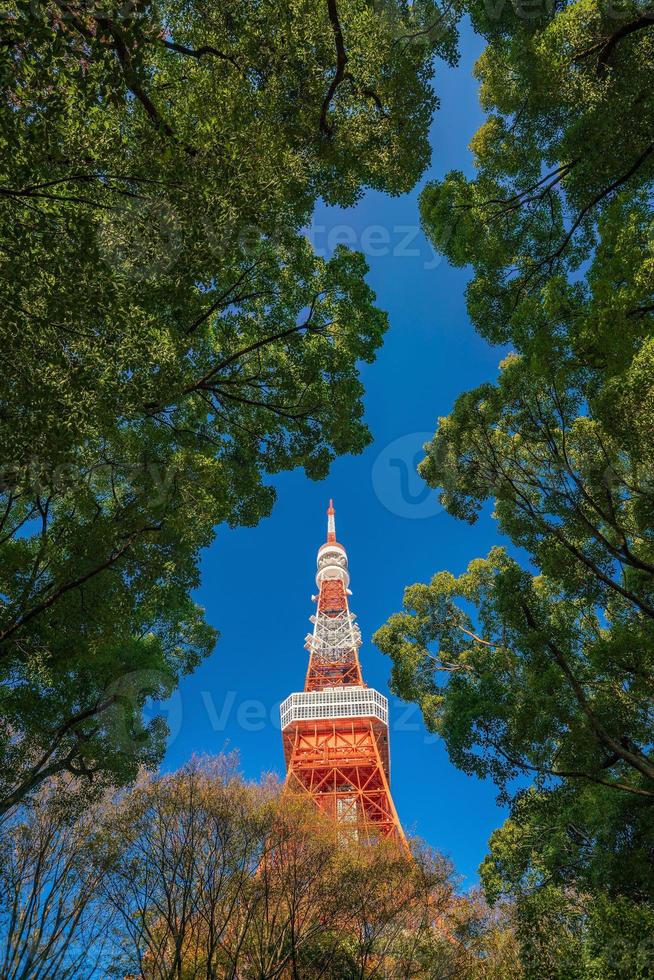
335	732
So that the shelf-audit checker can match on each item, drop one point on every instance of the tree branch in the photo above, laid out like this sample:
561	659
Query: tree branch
201	52
74	584
341	62
637	760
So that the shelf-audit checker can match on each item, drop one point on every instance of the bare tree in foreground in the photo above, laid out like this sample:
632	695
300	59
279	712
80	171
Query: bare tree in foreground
200	875
218	878
52	921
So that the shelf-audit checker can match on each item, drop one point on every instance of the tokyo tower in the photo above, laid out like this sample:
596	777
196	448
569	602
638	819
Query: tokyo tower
335	732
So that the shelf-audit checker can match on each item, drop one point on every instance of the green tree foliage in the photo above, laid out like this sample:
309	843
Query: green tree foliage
525	686
168	336
564	936
576	865
548	674
556	223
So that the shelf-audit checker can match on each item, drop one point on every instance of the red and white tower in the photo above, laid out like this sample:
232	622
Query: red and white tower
335	732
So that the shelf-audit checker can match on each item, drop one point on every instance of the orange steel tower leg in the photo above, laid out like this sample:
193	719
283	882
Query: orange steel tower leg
335	732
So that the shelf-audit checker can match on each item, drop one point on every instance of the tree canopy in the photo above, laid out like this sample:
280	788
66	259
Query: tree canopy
169	337
536	663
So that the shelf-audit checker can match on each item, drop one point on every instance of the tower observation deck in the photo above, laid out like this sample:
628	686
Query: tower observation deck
335	731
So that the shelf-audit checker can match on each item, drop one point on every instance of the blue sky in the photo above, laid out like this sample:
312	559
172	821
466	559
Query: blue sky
257	583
